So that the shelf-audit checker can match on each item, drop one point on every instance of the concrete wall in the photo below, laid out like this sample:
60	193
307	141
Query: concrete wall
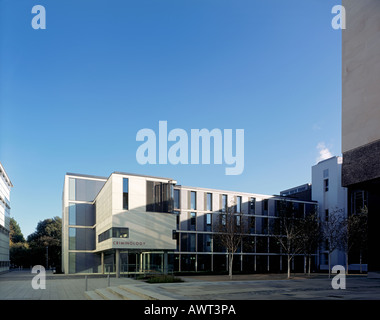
361	74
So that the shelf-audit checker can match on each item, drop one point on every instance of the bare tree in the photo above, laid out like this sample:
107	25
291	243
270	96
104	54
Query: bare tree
332	234
229	233
310	236
354	235
287	231
362	235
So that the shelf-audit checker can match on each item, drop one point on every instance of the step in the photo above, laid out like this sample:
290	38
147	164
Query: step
124	294
92	295
144	294
107	295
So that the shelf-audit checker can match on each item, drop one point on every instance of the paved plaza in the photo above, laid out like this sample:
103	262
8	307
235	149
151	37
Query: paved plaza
16	285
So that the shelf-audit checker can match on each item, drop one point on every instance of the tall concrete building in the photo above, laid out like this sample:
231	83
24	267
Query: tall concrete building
5	188
361	116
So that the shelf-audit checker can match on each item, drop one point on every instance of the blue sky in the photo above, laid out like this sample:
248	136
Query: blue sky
73	96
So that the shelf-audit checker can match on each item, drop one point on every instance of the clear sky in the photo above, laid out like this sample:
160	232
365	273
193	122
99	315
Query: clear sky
73	96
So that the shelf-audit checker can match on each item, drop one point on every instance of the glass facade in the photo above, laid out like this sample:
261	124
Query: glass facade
159	197
259	251
82	238
81	214
81	220
83	189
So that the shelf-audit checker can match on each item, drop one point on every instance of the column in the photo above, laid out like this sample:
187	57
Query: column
165	262
117	263
102	261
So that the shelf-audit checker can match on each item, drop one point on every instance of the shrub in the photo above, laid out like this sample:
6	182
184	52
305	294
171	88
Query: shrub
164	279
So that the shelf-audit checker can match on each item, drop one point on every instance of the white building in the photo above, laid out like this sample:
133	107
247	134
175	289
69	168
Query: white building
5	188
327	190
108	223
130	223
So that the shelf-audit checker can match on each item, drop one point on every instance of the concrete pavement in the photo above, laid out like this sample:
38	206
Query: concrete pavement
17	285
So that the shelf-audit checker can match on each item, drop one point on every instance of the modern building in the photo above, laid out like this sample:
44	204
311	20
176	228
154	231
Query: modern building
120	221
130	223
5	188
302	192
199	213
332	198
361	116
327	190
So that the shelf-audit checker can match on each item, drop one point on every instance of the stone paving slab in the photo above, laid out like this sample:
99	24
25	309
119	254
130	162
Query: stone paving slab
16	285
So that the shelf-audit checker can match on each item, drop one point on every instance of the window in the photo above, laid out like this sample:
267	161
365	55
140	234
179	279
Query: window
358	201
193	221
326	184
120	232
72	214
208	219
209	202
193	200
71	189
125	194
159	197
192	242
81	239
114	233
238	220
265	206
327	215
81	214
238	204
177	213
83	189
208	243
252	205
176	199
224	202
252	222
326	173
104	235
72	239
223	218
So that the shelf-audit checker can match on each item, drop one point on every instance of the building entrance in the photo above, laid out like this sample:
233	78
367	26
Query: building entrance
138	262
